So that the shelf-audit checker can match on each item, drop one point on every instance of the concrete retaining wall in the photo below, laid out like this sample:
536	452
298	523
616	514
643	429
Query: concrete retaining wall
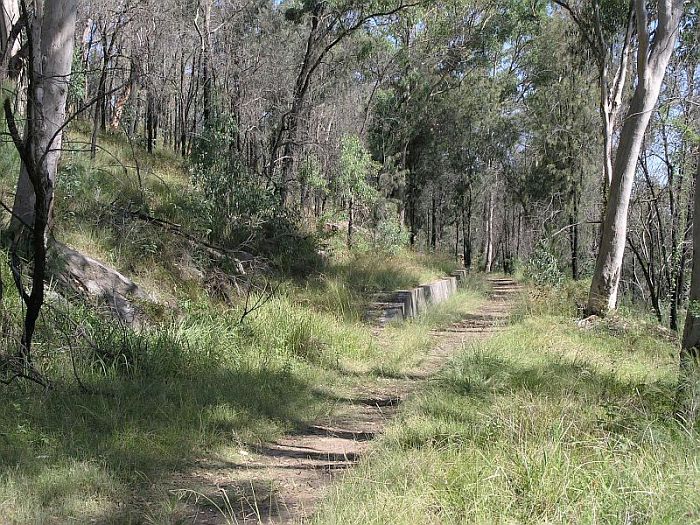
407	304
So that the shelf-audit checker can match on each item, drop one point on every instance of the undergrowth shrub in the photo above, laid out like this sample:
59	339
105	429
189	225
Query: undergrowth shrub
238	200
542	269
568	299
389	235
243	209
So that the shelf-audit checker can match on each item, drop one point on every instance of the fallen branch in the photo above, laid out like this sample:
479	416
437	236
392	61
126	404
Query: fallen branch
238	257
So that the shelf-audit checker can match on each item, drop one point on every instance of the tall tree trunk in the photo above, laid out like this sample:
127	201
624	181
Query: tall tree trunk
467	231
150	121
679	283
9	41
121	101
456	239
652	59
574	234
433	222
99	116
51	36
205	37
350	222
87	42
488	239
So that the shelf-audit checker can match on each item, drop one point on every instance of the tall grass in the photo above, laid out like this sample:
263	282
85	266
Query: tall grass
197	385
546	423
197	382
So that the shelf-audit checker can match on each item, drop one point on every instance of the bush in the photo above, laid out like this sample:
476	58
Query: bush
542	268
390	236
239	201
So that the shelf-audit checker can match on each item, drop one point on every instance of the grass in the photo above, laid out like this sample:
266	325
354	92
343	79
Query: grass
196	384
545	423
203	387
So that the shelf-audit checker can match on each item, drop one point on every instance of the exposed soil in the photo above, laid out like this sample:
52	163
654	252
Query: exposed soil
282	482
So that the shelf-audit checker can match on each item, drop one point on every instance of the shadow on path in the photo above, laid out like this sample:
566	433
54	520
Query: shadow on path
283	481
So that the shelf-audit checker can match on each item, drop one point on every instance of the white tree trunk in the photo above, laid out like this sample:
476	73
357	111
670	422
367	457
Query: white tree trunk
52	32
488	248
652	59
9	46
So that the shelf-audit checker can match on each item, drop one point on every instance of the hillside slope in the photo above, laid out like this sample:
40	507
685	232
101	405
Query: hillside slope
127	408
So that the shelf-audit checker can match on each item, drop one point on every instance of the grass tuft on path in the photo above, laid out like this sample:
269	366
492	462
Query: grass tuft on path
545	423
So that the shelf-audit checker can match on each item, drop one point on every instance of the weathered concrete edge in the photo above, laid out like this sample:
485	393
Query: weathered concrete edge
407	304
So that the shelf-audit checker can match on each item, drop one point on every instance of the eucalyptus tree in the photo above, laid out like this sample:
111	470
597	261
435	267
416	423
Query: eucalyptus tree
50	28
607	29
352	184
328	25
656	35
442	52
560	132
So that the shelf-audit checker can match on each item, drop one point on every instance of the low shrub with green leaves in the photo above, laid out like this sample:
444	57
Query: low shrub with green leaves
542	268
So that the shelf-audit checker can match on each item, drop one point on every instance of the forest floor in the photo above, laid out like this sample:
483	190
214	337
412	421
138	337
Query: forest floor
283	481
306	413
133	416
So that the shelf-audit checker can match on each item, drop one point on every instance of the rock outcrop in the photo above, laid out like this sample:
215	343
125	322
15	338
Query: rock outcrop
95	281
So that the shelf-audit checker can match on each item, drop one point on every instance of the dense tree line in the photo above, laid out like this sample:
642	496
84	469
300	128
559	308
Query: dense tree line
561	133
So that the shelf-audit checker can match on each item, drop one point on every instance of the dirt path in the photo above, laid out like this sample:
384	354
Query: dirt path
282	482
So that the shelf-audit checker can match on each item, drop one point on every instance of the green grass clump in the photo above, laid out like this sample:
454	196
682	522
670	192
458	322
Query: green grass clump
396	272
545	423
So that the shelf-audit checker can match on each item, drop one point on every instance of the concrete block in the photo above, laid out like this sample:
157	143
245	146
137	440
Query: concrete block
407	304
452	283
383	313
409	300
421	301
435	292
460	274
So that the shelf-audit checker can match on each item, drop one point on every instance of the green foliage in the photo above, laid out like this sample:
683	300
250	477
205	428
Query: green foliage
356	166
238	201
311	174
542	267
389	235
77	84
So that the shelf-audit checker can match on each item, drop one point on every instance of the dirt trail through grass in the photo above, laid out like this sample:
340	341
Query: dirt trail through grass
282	482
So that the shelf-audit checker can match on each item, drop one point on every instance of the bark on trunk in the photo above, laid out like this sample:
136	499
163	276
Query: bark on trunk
350	222
433	223
53	49
150	122
652	60
52	29
205	39
122	101
488	240
9	43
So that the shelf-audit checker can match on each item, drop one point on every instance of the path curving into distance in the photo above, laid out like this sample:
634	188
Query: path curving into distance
282	482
